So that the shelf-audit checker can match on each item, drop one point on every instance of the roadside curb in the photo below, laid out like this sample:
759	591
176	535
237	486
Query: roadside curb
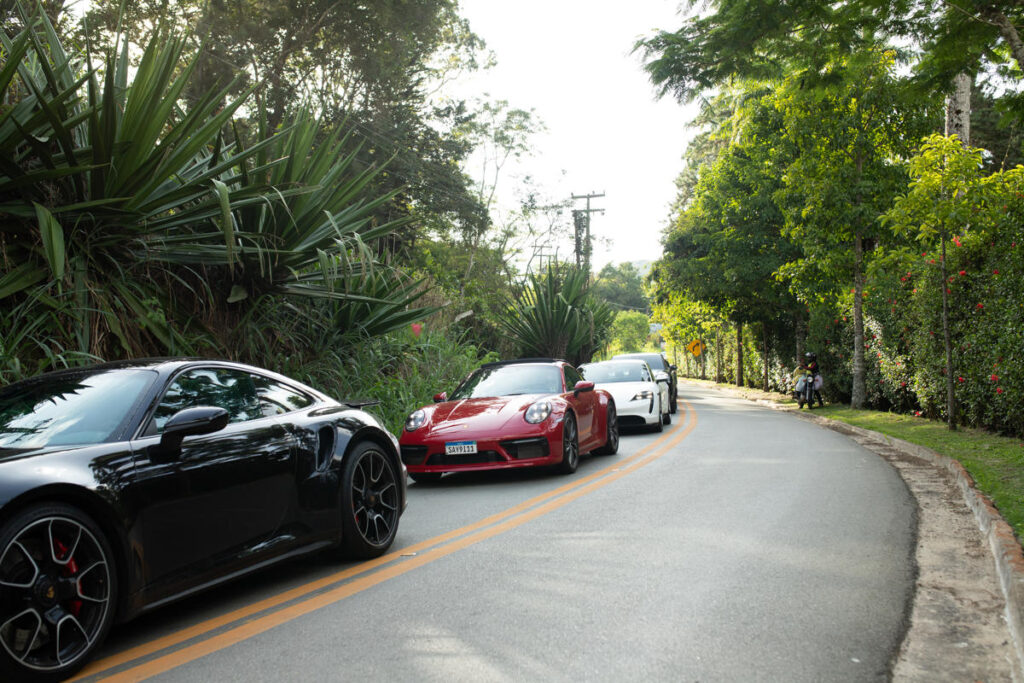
1006	551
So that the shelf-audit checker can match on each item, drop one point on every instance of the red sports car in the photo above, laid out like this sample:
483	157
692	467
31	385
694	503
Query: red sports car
522	413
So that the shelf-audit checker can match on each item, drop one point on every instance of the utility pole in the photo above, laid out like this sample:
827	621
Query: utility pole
581	226
539	254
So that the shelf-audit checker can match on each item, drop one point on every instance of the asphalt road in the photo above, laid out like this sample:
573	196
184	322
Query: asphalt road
741	544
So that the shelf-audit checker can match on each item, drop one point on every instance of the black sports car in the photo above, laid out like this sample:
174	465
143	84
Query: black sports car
127	485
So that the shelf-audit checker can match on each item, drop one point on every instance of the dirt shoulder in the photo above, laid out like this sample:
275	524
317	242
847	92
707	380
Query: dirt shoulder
959	627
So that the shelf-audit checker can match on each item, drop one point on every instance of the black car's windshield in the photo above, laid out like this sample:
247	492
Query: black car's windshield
611	371
506	380
655	360
79	408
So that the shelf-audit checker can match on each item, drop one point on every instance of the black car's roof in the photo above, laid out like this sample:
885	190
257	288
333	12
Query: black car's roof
162	365
617	359
521	361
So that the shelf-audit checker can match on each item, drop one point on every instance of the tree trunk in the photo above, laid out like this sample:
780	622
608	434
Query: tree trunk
739	354
764	344
958	108
858	397
718	356
958	120
946	341
801	335
703	362
1009	33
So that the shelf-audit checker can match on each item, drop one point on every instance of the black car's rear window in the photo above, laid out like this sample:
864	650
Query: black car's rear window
614	371
655	360
509	380
78	408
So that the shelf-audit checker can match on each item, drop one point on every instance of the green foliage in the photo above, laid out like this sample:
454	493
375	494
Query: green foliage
630	332
140	228
554	315
763	40
400	370
622	286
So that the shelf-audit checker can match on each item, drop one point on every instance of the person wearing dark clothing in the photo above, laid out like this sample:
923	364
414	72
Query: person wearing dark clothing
810	365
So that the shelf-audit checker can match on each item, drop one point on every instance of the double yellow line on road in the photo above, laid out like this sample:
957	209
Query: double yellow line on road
360	577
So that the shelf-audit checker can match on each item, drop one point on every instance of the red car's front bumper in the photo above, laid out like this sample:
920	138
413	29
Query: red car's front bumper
426	453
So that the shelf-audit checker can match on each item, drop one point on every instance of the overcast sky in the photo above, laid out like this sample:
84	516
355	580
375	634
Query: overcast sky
571	61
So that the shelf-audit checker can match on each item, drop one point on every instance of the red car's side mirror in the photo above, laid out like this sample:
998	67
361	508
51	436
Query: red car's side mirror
441	398
582	386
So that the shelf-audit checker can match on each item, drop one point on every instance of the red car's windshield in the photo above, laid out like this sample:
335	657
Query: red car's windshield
509	380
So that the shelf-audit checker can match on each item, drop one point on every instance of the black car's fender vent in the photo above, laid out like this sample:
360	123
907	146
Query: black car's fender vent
470	459
413	455
526	449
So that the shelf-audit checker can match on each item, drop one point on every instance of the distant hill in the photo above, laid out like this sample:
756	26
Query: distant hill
643	266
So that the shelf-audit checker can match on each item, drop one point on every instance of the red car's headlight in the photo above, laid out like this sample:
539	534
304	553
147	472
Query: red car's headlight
415	420
538	412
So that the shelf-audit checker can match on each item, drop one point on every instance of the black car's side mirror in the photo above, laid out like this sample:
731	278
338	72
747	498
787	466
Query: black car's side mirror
189	422
673	368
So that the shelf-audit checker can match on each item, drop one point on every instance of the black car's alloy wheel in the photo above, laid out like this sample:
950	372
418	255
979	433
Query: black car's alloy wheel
570	445
370	502
611	443
58	588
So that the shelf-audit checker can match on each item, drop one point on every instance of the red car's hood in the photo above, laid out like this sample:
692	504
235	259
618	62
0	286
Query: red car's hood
479	414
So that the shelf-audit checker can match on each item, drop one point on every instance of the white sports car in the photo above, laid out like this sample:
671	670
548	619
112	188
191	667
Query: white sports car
641	395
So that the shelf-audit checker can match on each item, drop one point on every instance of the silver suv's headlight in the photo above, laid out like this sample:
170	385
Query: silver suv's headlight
644	395
415	420
538	412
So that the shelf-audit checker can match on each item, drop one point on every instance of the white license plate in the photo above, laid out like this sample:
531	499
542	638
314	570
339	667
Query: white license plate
460	447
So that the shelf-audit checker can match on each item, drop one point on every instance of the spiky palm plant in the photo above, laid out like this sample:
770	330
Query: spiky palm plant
153	229
555	316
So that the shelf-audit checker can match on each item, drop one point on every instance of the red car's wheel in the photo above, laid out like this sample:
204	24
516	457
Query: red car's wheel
570	445
611	443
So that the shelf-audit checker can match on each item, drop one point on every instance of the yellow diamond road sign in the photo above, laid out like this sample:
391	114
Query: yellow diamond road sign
696	347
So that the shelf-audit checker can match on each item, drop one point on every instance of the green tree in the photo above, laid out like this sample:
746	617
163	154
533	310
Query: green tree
849	136
727	244
622	286
765	40
947	192
630	331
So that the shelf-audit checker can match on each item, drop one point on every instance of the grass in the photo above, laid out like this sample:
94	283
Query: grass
995	462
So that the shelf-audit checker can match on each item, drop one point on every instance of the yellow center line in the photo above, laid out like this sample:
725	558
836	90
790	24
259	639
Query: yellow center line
470	535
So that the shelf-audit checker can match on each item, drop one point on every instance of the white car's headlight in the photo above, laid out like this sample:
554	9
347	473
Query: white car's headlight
415	420
538	412
644	395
